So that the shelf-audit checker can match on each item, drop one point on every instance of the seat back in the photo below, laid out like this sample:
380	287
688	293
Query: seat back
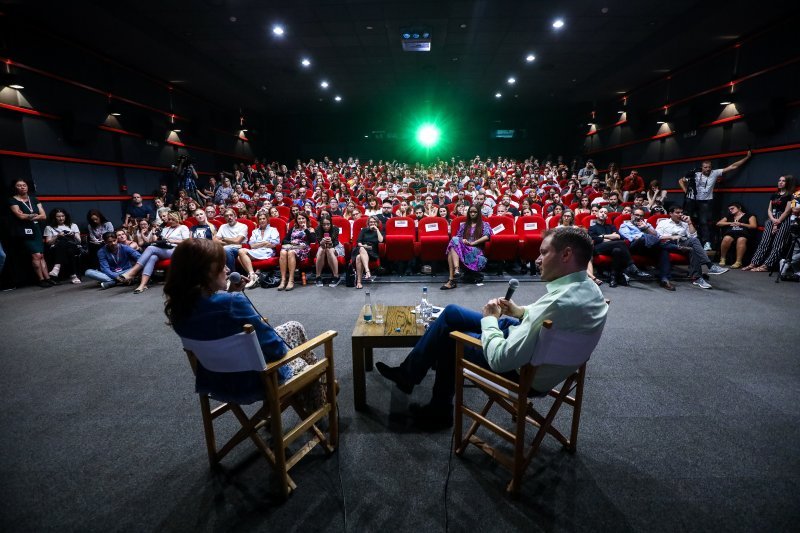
564	348
345	230
530	225
501	225
236	353
400	226
432	226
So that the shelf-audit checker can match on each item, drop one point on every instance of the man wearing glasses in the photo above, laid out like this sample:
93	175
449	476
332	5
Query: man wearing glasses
608	241
678	232
643	239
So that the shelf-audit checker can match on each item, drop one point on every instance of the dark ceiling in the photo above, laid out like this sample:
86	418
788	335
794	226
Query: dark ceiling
226	52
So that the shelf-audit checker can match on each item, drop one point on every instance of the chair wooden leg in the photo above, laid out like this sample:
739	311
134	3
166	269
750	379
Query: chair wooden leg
576	411
208	430
519	446
458	429
330	383
277	437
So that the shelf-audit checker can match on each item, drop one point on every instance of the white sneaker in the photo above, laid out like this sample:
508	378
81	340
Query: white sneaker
701	283
707	247
253	281
716	270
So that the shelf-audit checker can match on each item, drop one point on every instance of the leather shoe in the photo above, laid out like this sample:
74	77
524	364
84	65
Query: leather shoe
432	416
667	285
394	374
633	271
612	283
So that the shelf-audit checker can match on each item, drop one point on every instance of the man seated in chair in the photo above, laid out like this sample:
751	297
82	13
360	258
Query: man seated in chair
573	301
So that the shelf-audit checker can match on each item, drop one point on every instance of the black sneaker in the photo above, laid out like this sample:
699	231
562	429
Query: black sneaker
432	416
319	282
335	281
394	374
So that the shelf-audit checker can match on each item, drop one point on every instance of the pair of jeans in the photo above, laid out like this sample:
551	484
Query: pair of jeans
97	275
436	350
231	253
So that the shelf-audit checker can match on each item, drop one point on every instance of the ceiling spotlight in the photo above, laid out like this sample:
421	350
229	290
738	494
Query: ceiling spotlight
497	95
558	24
621	111
406	36
233	19
530	58
369	27
338	98
277	30
511	80
324	84
661	122
463	26
726	102
176	131
305	62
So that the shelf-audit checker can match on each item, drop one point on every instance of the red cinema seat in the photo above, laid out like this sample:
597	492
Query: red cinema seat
553	221
588	221
400	237
190	222
653	220
579	218
504	244
455	224
619	219
272	263
284	211
345	233
433	239
529	230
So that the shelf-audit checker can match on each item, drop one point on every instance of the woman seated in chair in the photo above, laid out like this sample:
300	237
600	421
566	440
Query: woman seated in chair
330	248
198	308
737	227
63	240
366	249
467	247
172	234
296	247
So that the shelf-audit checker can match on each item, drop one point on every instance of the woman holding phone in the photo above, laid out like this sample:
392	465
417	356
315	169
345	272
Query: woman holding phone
329	249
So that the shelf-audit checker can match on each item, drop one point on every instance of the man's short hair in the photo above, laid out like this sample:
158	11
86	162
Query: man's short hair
673	207
108	234
574	237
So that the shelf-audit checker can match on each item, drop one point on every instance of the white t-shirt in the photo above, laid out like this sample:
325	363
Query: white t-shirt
705	185
227	232
58	230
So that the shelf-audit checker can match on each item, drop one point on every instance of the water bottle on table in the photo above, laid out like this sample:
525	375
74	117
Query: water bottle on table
368	308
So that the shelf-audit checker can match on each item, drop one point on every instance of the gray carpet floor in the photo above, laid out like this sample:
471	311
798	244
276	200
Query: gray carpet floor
691	422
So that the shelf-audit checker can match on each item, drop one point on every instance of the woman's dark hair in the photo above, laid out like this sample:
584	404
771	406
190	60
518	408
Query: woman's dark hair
51	218
31	187
192	266
93	212
737	205
789	180
473	226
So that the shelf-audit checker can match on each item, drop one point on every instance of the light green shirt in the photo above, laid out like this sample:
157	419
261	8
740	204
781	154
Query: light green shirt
573	302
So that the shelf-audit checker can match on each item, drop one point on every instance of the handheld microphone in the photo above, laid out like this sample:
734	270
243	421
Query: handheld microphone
512	286
235	278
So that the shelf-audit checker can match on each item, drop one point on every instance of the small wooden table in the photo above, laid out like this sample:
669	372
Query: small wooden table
400	330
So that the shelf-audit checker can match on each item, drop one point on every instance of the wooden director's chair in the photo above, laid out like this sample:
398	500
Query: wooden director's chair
241	352
559	356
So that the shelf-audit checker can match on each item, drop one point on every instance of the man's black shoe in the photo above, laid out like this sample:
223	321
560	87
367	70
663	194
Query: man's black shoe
393	373
667	285
432	416
613	283
623	281
636	273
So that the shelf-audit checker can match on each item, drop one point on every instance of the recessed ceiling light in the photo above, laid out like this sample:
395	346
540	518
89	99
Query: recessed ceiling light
324	84
369	27
455	59
558	24
604	10
511	80
177	131
463	26
621	92
497	95
530	57
338	98
725	102
277	30
232	19
366	136
306	62
660	122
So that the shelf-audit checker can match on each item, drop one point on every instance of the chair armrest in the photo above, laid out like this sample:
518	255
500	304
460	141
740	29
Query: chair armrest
463	338
307	346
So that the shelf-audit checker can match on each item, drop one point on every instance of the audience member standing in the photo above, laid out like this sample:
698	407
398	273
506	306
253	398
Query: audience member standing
29	216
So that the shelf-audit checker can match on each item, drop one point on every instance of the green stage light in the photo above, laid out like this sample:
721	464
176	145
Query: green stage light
428	135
